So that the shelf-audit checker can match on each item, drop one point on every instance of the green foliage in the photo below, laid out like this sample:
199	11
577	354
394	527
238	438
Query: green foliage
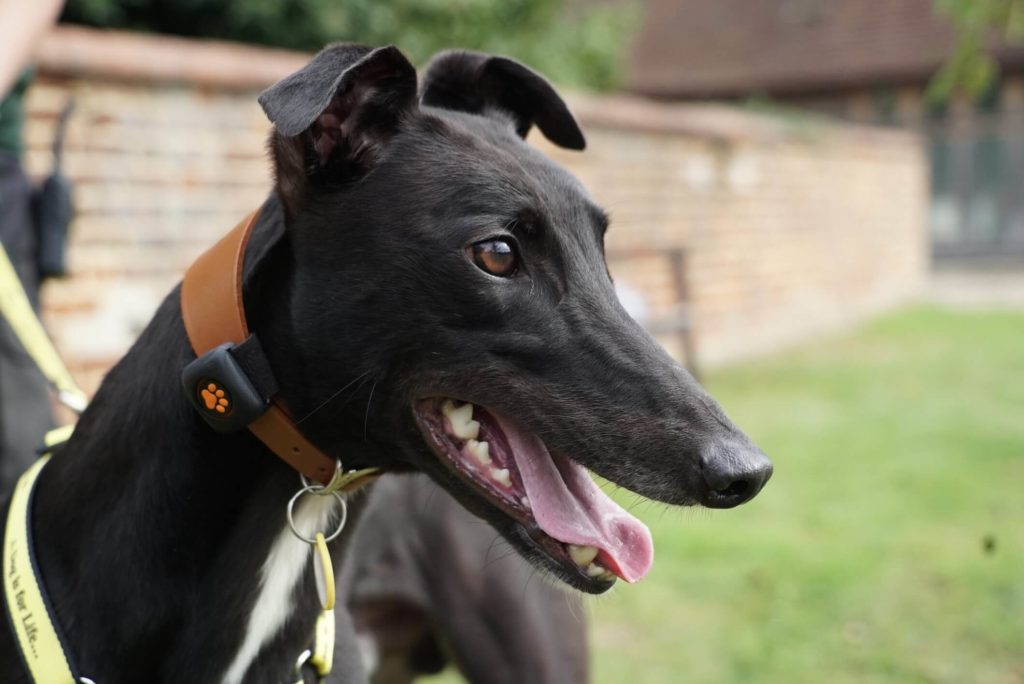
971	69
574	43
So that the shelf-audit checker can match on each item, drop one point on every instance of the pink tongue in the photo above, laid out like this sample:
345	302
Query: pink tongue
570	507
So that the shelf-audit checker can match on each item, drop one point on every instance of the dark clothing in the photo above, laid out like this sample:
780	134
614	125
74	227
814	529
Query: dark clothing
12	115
17	228
25	410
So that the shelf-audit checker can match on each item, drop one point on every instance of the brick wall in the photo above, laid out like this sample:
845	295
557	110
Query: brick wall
790	226
773	229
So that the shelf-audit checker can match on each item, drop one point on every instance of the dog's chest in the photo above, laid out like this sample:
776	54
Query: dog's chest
284	566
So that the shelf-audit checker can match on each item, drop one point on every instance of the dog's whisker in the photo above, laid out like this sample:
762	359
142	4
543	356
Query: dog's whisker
490	547
331	398
366	417
499	542
575	608
507	554
526	585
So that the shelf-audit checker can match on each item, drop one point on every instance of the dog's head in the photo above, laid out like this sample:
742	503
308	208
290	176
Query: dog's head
457	275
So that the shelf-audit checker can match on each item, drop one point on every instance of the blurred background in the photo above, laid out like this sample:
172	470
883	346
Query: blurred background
818	205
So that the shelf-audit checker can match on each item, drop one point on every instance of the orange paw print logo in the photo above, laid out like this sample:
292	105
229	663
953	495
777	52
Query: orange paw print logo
215	398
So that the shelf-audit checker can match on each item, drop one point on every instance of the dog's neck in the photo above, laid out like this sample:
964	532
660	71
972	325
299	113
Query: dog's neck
158	538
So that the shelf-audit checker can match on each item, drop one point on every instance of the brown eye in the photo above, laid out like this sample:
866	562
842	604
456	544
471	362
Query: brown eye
496	257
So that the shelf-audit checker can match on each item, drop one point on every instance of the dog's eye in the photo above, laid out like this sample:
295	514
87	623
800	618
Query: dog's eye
496	257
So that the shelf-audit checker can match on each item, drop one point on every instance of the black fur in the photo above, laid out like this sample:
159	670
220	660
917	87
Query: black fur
481	84
430	585
151	528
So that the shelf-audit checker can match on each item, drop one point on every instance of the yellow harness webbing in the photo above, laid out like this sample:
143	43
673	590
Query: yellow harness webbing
323	644
16	308
28	610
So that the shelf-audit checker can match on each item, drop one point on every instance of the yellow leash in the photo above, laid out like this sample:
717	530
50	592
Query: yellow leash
41	646
16	308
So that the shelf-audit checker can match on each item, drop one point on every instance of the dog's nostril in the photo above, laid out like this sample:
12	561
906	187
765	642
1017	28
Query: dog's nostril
732	494
734	473
737	489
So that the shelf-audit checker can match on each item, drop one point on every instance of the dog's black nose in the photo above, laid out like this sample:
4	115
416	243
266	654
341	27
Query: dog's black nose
734	473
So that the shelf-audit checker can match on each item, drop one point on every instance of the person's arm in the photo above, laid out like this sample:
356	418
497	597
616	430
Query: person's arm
22	24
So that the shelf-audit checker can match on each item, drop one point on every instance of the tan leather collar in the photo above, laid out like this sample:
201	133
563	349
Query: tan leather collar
214	313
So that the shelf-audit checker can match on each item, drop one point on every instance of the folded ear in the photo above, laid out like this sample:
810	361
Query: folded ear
333	117
475	82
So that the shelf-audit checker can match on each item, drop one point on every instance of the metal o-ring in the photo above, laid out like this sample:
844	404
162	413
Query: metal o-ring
301	661
313	489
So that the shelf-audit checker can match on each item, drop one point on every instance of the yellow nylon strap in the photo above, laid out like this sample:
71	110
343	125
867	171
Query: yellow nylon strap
323	646
323	571
350	481
57	436
16	308
37	638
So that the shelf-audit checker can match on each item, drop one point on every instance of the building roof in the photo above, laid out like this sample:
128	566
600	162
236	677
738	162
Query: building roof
726	48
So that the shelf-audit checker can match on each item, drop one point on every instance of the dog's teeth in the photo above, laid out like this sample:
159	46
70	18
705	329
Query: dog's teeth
595	571
469	429
525	502
481	451
582	555
461	419
462	413
501	475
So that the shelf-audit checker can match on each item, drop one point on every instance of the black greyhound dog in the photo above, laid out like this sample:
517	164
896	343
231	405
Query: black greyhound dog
428	584
431	295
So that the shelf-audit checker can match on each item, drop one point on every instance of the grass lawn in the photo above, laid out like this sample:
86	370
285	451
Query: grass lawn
888	547
899	456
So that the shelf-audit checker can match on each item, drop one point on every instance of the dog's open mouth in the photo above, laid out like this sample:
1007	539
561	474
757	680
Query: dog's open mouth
559	506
